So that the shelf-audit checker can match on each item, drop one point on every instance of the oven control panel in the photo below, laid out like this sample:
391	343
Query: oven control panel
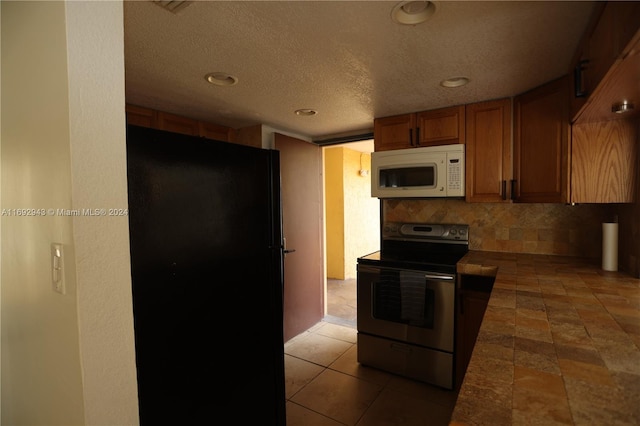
425	231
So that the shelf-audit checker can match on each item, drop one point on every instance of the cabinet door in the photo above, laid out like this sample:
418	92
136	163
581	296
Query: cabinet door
541	143
604	161
396	132
601	47
618	23
488	151
139	116
251	135
215	131
441	127
627	19
609	39
474	304
177	124
473	295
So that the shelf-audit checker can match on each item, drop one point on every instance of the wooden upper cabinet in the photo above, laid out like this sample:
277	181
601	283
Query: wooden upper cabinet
139	116
488	151
609	39
217	132
251	136
541	144
604	162
621	83
441	127
394	132
145	117
177	124
428	128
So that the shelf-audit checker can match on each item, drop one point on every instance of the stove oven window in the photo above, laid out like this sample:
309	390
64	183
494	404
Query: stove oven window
403	297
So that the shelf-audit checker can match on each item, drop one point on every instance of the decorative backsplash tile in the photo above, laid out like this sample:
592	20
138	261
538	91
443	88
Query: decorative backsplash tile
522	228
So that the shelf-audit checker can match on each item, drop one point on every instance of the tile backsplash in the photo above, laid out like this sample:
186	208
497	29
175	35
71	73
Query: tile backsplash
557	229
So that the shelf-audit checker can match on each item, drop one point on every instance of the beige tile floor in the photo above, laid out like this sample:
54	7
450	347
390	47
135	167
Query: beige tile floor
325	385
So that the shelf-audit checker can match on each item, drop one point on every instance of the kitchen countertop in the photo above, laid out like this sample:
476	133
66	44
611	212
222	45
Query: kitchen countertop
559	344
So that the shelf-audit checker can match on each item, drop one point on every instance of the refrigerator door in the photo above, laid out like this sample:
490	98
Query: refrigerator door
206	259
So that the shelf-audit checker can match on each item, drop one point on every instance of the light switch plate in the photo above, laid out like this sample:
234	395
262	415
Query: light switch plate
57	268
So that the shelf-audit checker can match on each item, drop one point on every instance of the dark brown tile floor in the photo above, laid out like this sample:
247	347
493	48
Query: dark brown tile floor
325	385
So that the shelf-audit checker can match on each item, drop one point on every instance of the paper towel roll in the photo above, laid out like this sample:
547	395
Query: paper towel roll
610	246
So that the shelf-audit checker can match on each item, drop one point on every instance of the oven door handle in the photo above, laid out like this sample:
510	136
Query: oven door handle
439	277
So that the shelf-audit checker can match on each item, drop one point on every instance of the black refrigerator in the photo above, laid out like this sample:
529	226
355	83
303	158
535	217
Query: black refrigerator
207	280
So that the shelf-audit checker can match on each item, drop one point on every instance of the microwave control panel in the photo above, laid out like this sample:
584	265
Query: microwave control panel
455	174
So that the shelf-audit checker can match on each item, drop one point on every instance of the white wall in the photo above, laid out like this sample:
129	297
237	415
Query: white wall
98	160
66	359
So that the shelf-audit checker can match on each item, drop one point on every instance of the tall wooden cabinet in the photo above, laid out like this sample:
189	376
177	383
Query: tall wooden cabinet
442	126
488	151
541	144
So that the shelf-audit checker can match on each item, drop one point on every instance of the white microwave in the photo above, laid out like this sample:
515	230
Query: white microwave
427	172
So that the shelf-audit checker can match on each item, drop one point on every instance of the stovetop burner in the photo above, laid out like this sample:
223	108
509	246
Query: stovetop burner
423	247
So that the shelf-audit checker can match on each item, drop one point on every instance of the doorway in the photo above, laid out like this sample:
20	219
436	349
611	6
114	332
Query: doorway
352	224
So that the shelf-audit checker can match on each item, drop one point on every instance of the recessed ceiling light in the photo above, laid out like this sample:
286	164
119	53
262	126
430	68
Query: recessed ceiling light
306	112
221	79
172	6
454	82
622	107
412	12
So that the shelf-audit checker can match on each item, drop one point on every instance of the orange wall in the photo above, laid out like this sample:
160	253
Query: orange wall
334	214
352	215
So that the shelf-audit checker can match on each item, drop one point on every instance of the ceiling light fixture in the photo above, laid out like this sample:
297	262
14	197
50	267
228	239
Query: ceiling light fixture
622	107
221	79
306	112
172	6
412	12
454	82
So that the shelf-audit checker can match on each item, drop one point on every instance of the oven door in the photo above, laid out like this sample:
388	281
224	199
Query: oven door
406	305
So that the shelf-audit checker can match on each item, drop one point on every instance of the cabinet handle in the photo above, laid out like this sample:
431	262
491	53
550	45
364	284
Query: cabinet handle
418	136
504	189
513	189
411	137
580	90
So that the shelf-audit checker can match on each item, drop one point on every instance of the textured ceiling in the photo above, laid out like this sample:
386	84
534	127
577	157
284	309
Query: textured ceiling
347	60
